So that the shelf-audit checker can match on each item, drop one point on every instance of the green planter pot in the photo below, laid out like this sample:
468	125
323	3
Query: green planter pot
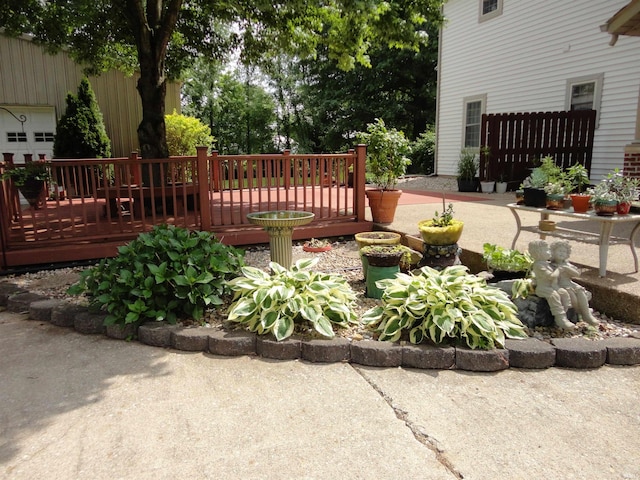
375	273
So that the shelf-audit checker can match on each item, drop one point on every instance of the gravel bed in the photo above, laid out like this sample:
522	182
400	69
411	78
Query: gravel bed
342	259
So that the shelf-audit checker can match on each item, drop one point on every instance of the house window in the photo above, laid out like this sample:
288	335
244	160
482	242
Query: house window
43	136
585	93
474	107
13	137
490	9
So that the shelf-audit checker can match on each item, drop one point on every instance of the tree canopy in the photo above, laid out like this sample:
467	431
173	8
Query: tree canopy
160	38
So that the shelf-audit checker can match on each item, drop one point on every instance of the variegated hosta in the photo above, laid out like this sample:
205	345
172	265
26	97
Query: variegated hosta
278	301
441	305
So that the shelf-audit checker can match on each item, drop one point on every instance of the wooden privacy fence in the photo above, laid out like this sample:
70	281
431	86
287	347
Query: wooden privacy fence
95	205
512	143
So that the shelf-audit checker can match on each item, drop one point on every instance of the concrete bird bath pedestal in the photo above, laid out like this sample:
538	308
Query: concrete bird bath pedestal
279	225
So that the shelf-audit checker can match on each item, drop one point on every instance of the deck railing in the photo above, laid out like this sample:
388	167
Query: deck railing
94	205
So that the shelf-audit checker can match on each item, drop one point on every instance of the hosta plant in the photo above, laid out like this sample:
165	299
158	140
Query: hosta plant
276	302
164	274
447	305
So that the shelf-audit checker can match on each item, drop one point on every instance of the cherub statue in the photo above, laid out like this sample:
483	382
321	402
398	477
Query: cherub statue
546	283
560	252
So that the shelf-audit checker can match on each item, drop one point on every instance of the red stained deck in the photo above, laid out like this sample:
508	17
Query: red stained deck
104	212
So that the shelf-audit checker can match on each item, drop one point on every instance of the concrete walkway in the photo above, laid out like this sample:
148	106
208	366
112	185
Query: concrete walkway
78	406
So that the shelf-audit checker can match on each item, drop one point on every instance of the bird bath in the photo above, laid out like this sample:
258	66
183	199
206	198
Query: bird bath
279	225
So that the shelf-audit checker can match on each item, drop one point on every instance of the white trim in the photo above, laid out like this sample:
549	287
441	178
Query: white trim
483	109
597	80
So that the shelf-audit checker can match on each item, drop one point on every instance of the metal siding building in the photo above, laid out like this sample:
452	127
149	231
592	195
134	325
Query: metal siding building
30	78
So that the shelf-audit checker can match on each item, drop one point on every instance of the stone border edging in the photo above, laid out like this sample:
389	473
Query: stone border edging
576	353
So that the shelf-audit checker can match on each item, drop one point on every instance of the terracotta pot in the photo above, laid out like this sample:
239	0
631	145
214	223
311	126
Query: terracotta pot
383	204
308	248
623	208
580	203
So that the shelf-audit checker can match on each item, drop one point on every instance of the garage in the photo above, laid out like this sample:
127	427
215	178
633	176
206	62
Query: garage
27	130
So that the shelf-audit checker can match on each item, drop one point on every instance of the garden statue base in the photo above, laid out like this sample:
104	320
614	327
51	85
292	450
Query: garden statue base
440	256
533	311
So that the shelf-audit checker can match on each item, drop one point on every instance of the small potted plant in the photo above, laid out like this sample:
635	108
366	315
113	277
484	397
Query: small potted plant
578	177
316	246
625	188
556	192
467	171
505	263
533	189
29	179
386	162
605	202
442	229
382	261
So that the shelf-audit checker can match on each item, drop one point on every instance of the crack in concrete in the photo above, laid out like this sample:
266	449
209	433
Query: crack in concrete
417	430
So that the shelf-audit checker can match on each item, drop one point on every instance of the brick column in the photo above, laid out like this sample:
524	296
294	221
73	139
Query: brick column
632	160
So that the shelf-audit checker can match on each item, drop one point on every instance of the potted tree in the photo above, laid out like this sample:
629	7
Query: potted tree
578	177
386	162
467	170
29	179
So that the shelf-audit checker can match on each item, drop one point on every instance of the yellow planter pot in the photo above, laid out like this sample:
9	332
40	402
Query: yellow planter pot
440	235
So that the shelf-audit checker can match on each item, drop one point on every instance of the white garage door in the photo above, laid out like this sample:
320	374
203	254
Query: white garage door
25	129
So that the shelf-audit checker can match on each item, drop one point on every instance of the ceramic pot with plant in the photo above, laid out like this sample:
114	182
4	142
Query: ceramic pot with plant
504	263
605	202
442	229
467	171
387	161
625	189
30	180
533	189
383	261
578	177
555	195
502	184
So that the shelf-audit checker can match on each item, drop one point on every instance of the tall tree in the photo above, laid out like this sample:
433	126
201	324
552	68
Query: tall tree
239	111
161	37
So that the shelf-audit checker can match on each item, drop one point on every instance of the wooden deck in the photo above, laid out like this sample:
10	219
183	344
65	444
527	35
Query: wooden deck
102	215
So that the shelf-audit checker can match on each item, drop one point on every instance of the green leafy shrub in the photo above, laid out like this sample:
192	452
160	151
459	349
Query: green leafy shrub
500	258
445	305
275	303
161	275
423	152
81	132
184	134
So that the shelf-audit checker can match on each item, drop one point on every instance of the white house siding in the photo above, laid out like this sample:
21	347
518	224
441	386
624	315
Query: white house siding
31	77
522	60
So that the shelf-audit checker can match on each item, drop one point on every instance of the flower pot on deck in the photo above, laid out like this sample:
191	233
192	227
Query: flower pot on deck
383	204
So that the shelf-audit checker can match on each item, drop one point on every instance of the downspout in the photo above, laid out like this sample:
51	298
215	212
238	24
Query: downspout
438	74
